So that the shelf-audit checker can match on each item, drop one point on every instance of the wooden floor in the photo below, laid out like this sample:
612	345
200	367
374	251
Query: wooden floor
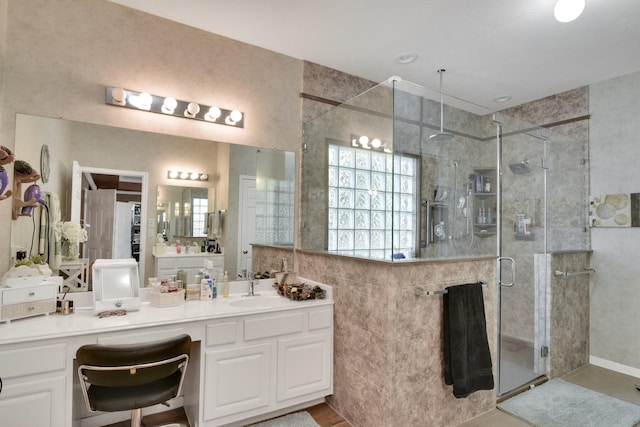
322	414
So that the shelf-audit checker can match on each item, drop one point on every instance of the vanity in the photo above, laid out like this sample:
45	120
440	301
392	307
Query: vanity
252	358
168	264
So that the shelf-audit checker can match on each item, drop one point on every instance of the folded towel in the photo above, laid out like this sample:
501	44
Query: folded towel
467	360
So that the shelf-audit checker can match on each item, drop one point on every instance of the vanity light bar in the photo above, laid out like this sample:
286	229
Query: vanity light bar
188	176
173	107
363	141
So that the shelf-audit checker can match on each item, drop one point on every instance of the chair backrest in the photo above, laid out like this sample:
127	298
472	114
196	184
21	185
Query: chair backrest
130	365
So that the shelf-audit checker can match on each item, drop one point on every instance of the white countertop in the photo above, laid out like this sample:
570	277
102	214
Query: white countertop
84	322
171	254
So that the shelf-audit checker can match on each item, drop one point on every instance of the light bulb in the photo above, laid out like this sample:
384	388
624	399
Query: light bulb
119	96
194	175
376	143
236	115
568	10
184	175
192	110
169	105
145	100
213	113
173	174
364	141
204	177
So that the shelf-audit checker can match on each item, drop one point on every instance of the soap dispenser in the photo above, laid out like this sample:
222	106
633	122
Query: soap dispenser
225	285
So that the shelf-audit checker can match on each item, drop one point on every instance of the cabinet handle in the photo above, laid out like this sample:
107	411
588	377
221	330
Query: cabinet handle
0	385
31	308
31	293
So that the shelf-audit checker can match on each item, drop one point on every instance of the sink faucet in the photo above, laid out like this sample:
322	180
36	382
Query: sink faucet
252	283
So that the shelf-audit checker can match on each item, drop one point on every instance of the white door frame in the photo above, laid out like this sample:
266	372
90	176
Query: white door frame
76	197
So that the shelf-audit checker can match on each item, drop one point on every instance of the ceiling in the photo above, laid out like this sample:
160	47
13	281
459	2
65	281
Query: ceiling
490	48
128	188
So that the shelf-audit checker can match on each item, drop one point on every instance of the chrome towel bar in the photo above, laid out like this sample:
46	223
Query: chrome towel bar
420	291
574	273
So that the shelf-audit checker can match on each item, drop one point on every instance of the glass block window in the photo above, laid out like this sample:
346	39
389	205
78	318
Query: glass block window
371	193
199	217
275	212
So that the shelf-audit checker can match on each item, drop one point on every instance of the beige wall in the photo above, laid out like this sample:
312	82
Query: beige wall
615	294
59	55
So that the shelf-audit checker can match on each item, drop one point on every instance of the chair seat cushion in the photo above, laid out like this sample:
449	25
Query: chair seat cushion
112	399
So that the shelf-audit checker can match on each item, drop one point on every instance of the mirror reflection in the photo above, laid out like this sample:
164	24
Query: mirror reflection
183	212
233	193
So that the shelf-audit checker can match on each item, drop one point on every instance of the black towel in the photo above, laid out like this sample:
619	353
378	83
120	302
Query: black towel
467	360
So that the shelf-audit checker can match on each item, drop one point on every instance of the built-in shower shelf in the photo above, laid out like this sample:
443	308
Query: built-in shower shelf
484	195
483	230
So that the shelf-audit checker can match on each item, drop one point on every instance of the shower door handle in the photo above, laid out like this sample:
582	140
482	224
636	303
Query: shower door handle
513	271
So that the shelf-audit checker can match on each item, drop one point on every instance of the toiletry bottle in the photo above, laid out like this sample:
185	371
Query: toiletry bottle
479	183
205	288
214	288
225	285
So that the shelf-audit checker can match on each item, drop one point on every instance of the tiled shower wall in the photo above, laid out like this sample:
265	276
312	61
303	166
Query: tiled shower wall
567	313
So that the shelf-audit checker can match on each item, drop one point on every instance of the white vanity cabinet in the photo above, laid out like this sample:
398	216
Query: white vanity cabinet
168	265
248	362
33	385
261	363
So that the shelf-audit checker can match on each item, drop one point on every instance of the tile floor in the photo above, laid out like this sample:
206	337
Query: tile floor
595	378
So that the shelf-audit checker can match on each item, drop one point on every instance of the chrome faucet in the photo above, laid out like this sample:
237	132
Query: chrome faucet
252	283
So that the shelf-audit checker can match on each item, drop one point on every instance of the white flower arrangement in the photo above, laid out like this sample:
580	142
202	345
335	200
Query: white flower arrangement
72	232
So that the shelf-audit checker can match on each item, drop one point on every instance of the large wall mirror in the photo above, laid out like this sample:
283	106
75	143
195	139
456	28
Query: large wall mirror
113	157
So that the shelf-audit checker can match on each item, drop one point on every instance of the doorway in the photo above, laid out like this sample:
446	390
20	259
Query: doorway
124	191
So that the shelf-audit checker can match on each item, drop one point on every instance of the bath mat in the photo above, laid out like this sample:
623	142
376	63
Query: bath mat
297	419
561	403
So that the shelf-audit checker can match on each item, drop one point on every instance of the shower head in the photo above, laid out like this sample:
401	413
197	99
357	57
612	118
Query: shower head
442	135
521	168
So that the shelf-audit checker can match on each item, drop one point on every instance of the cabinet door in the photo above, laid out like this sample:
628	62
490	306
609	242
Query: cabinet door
304	366
37	403
236	380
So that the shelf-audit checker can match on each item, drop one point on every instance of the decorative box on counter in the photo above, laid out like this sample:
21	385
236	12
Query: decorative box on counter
27	296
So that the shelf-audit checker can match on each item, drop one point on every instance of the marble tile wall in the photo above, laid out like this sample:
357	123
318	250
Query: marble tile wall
568	305
387	341
564	320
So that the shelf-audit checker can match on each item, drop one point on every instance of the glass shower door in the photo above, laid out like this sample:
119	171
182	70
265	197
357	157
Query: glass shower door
522	235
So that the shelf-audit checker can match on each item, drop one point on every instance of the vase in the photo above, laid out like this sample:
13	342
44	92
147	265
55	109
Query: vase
70	250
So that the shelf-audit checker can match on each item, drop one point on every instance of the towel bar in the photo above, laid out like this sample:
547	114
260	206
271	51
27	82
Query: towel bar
420	291
574	273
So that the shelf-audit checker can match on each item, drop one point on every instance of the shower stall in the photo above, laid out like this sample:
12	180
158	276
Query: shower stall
376	185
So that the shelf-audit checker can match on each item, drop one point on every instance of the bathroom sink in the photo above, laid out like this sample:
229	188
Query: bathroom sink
262	301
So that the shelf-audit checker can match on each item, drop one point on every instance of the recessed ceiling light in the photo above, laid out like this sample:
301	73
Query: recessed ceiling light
568	10
406	58
503	98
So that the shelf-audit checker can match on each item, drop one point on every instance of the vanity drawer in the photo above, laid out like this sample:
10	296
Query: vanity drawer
32	360
320	319
222	333
35	293
20	310
166	263
273	326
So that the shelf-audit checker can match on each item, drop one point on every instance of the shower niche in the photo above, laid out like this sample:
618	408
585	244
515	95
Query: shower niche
484	207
